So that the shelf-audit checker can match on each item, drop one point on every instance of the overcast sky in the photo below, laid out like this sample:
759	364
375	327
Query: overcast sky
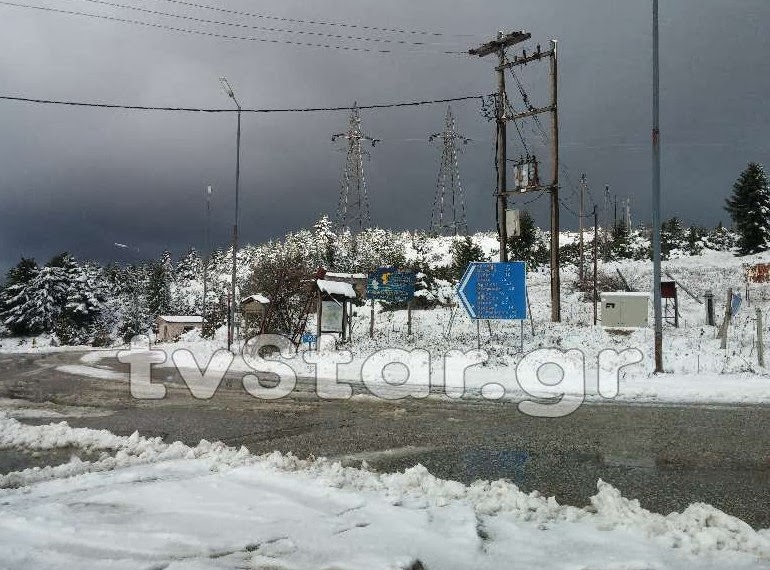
82	179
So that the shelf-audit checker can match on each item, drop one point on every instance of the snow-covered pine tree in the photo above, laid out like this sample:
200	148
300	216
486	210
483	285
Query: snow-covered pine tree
529	245
672	237
721	239
749	207
159	286
15	295
620	248
464	251
187	287
696	239
87	293
135	315
325	240
46	297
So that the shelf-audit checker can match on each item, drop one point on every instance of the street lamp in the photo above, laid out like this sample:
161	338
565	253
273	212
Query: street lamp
230	93
206	257
656	256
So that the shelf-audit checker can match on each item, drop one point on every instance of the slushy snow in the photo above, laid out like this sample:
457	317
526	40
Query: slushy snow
147	503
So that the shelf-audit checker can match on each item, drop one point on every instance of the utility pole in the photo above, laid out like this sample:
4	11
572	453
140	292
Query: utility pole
596	262
531	111
555	227
231	327
499	46
207	246
606	247
582	239
657	304
628	214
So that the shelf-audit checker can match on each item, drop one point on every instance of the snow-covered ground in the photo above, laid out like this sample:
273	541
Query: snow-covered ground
144	503
698	370
135	502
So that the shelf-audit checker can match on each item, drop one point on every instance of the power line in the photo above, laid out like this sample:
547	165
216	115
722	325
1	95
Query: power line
207	33
217	110
316	22
260	28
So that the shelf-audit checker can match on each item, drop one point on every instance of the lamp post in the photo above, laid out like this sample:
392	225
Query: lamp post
230	93
657	304
206	257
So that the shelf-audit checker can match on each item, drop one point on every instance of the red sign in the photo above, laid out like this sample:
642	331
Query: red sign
759	273
668	290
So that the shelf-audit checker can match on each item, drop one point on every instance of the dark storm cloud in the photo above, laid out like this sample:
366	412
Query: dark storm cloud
81	180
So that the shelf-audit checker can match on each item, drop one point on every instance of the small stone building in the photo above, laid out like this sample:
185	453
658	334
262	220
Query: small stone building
171	327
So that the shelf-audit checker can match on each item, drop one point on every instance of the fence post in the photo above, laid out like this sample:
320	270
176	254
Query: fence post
726	321
760	340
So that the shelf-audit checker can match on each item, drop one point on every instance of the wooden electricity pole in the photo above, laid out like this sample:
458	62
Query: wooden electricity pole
555	227
498	46
553	109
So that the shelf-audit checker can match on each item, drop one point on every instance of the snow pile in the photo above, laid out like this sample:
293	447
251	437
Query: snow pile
700	528
496	512
127	450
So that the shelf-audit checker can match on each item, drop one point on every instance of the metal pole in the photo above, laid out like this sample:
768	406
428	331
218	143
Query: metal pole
596	263
371	321
207	241
555	262
581	271
760	340
502	155
658	309
235	225
409	318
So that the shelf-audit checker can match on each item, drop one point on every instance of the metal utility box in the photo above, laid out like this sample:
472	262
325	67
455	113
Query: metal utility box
625	309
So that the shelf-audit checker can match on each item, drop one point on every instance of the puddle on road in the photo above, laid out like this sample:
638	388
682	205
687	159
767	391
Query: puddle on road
20	459
571	478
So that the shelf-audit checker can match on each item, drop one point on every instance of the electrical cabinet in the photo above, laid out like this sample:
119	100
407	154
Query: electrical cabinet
625	309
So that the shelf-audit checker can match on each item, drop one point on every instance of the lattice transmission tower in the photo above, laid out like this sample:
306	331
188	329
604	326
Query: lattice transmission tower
353	208
448	216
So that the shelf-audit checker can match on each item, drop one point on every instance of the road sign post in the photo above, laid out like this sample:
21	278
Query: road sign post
392	286
495	291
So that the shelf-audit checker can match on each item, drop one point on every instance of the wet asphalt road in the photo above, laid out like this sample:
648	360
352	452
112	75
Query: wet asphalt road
666	456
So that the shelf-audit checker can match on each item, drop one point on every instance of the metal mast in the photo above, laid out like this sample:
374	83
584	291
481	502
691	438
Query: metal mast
353	209
449	188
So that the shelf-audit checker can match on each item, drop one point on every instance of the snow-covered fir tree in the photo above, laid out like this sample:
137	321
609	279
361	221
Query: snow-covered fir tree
15	295
749	207
159	286
135	317
187	286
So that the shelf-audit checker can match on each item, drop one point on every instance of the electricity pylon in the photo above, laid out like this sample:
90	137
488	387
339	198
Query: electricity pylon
353	209
449	188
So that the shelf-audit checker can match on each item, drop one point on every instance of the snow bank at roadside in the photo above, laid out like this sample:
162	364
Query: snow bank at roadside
494	518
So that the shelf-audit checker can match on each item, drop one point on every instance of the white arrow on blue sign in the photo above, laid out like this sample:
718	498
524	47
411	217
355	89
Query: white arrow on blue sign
495	291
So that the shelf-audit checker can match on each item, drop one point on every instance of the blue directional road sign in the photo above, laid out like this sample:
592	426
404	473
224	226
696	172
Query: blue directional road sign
388	284
495	291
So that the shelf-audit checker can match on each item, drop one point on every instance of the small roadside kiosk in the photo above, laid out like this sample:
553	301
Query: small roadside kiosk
254	309
334	299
